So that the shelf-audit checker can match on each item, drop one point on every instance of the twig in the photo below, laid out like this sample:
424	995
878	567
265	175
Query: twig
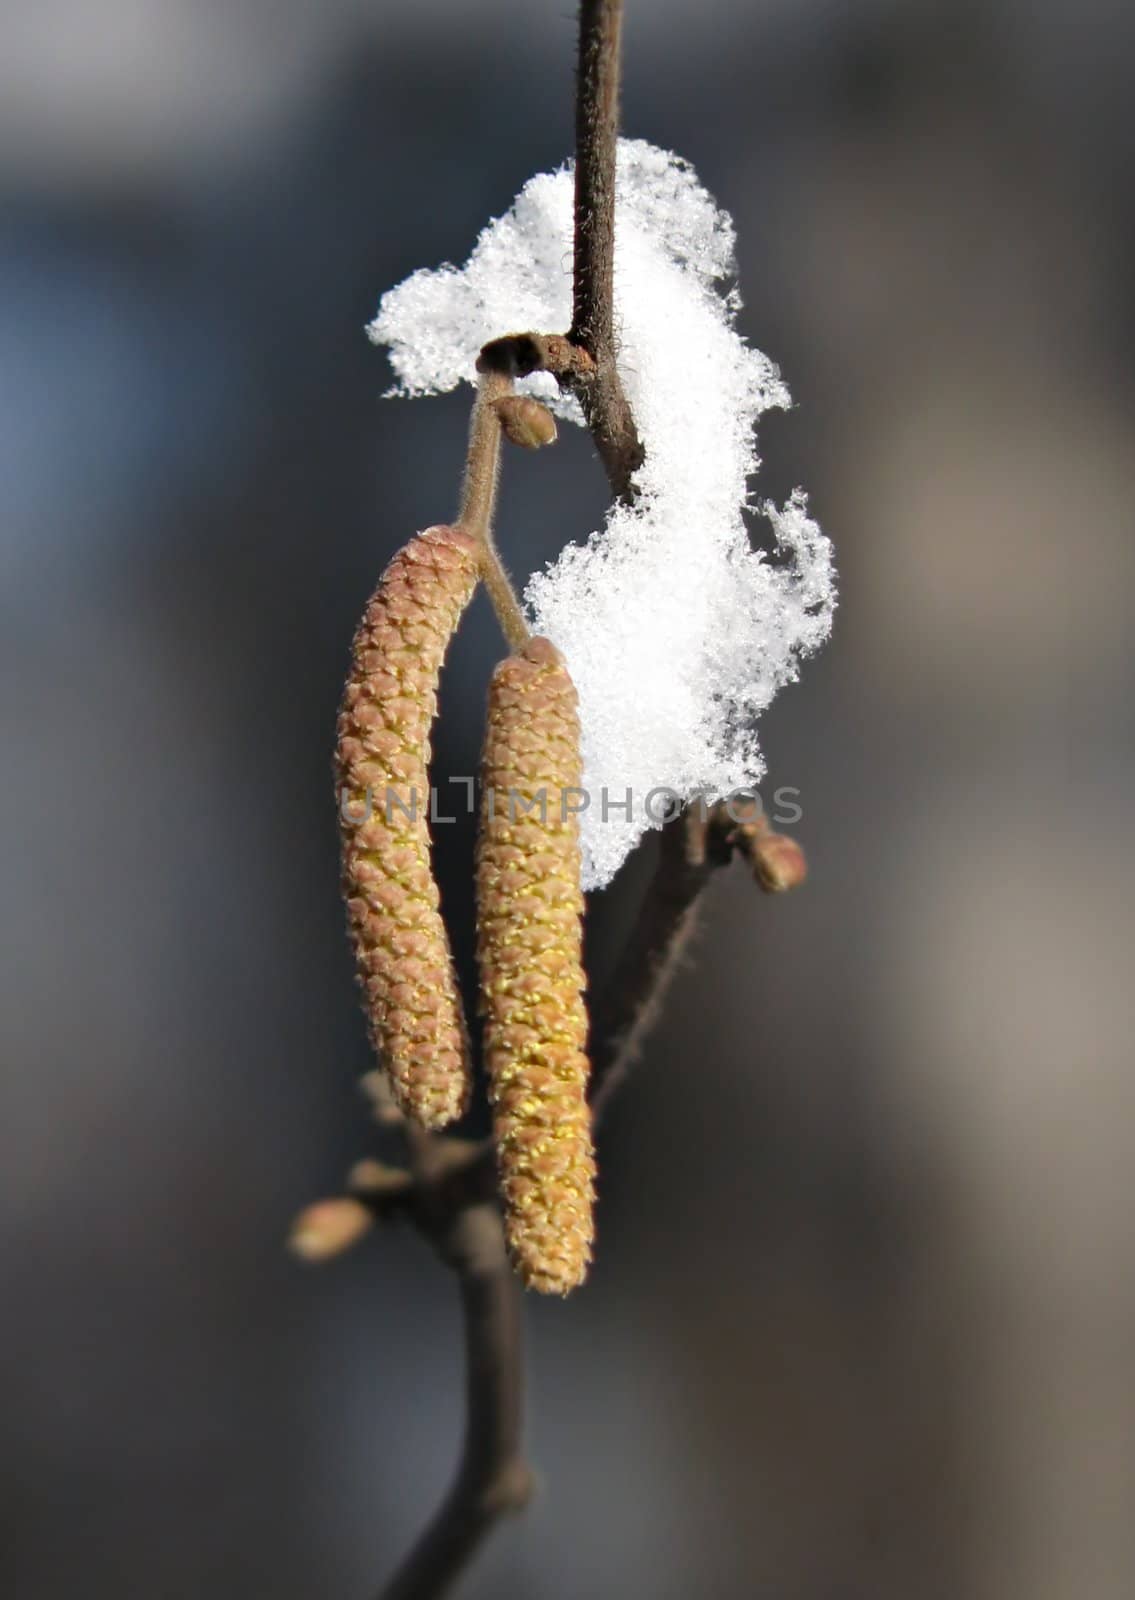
584	360
492	1477
690	850
593	307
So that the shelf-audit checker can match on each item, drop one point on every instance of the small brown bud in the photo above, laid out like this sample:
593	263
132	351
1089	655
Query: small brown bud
529	948
327	1228
779	862
372	1177
525	421
402	953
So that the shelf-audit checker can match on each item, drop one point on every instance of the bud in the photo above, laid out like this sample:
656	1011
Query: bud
779	862
328	1228
402	953
375	1178
529	948
525	421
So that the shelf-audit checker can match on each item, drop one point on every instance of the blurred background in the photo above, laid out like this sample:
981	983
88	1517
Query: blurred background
862	1322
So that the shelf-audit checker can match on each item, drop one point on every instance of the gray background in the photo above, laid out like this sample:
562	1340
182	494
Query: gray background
862	1321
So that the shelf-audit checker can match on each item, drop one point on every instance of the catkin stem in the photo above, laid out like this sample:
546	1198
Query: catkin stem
478	503
482	463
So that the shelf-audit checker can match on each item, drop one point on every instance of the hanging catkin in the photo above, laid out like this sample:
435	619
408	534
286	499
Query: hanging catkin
404	964
529	906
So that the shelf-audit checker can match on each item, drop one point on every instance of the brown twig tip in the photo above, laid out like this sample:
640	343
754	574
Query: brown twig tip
529	947
778	862
401	948
327	1228
375	1180
525	422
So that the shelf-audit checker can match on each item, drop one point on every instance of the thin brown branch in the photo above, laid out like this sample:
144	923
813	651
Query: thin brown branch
596	138
584	360
593	302
690	850
492	1477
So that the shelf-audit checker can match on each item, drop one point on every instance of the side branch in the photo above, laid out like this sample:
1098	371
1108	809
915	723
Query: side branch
690	850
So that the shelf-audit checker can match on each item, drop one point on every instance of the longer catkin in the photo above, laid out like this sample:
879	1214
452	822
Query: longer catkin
529	911
402	953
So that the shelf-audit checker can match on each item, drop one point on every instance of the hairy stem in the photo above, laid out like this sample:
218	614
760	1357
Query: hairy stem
596	135
478	504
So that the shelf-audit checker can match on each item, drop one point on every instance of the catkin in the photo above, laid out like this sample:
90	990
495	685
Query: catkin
402	953
529	947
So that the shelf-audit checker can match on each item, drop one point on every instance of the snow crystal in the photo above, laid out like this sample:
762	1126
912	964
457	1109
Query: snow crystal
676	632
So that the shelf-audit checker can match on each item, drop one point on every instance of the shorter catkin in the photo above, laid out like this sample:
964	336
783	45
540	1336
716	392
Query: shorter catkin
402	953
529	911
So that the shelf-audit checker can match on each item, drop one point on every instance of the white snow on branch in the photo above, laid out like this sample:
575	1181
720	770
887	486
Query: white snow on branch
676	632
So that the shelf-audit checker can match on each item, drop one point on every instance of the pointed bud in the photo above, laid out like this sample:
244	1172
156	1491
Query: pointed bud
327	1228
525	421
402	953
529	948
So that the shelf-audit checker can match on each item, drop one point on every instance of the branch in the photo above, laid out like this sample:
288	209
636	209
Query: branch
593	306
691	848
583	361
492	1477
